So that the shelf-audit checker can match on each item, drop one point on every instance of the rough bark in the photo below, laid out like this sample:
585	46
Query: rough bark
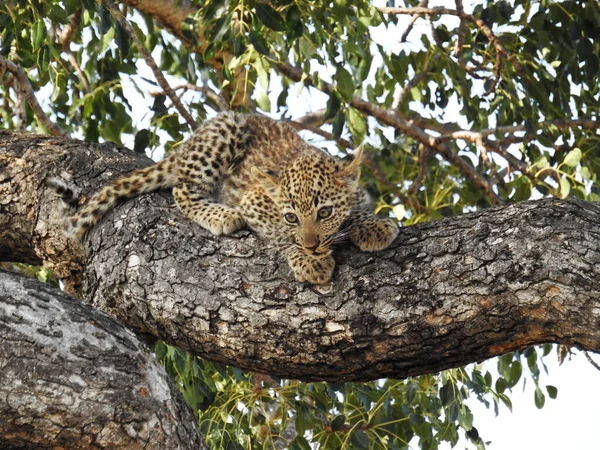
72	377
445	294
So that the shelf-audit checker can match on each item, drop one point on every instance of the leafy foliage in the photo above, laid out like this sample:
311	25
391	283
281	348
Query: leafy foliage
241	410
470	109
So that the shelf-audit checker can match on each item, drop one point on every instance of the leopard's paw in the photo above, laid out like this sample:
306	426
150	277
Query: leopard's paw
374	234
311	269
223	221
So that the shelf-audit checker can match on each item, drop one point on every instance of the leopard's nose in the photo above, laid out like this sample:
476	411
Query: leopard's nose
312	244
313	247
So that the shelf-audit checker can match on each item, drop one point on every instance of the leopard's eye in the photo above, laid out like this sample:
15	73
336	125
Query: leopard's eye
325	212
290	218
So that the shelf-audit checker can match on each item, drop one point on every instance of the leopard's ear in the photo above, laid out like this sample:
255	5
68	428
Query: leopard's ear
351	171
266	181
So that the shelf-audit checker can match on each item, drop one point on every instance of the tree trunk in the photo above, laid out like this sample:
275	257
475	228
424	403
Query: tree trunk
72	377
444	294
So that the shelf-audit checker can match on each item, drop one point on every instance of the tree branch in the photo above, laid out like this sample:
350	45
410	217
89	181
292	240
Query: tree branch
500	50
160	78
74	378
216	100
561	124
65	38
444	294
27	92
413	19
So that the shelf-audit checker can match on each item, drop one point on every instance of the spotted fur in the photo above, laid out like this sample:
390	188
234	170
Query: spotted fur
239	170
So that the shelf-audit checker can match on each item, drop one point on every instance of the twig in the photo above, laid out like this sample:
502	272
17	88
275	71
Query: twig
462	30
27	90
160	78
436	39
65	38
561	124
592	362
424	153
400	94
329	136
217	100
314	118
409	27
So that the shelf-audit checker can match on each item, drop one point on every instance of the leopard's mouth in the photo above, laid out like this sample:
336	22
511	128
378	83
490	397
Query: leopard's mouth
316	252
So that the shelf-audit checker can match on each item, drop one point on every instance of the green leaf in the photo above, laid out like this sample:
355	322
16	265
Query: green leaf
514	375
541	163
523	188
573	158
259	42
270	17
453	412
142	139
552	391
301	443
416	418
504	398
357	125
43	59
501	385
488	379
359	440
539	398
338	124
105	20
60	87
123	41
338	422
38	34
565	188
447	393
465	417
262	100
585	49
344	83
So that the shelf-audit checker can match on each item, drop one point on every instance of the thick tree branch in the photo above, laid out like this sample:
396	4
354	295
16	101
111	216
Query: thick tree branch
445	294
71	377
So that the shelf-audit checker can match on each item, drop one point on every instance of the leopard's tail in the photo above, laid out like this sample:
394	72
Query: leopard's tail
158	176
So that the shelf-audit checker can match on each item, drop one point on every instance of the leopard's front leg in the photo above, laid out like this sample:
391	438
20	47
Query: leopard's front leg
371	233
316	269
217	218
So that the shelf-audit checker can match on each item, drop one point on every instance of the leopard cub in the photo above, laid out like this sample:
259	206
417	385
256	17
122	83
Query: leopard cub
248	170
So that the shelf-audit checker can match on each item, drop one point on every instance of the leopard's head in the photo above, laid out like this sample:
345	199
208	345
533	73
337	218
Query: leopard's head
315	195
